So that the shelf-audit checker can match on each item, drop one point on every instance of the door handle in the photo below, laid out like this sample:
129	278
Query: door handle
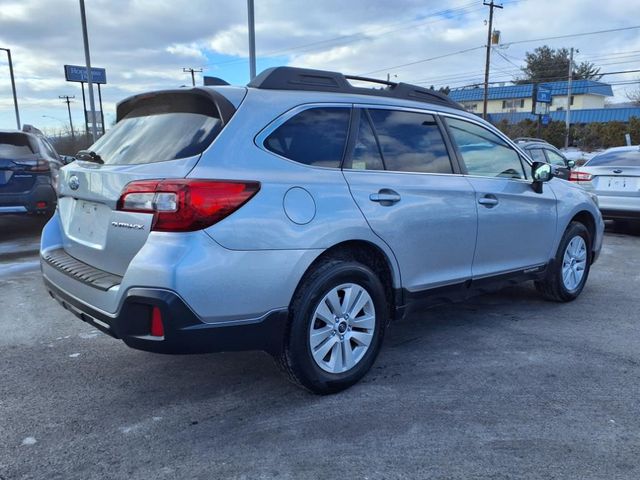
488	201
385	197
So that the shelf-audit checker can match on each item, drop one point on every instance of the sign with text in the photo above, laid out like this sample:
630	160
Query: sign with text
543	95
77	73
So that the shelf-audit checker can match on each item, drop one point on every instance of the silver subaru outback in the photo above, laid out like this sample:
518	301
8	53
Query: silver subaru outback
300	215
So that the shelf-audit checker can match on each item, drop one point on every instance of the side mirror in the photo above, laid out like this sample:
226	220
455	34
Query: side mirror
541	172
571	163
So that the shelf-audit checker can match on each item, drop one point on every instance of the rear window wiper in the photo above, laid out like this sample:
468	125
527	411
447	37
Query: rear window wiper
89	156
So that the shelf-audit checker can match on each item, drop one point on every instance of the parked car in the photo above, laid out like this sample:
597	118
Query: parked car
29	168
542	151
614	176
299	215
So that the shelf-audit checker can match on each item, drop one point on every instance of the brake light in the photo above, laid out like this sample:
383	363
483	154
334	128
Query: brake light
41	166
576	176
185	205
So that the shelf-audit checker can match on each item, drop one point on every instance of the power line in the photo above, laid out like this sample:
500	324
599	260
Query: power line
423	60
572	35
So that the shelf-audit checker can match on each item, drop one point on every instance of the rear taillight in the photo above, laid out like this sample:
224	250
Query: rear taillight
41	166
576	176
185	205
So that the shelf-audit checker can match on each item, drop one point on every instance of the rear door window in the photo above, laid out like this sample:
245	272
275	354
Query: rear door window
366	151
483	152
410	141
164	127
537	155
555	158
316	136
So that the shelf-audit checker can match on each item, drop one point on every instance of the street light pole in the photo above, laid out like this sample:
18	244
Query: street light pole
13	86
252	40
87	56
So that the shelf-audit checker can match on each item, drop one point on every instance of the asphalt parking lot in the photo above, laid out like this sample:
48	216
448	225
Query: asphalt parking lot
506	386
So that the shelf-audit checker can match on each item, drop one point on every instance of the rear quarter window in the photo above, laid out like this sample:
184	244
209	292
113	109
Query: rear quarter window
316	136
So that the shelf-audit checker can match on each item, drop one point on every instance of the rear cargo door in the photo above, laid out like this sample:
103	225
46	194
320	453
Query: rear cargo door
157	136
17	157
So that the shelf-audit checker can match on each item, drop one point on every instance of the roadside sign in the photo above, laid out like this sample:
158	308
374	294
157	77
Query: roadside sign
545	119
97	119
543	95
77	73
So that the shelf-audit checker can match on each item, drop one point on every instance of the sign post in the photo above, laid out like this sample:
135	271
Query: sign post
541	102
80	74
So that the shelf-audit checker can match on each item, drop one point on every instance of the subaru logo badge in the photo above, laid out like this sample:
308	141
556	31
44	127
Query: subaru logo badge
74	182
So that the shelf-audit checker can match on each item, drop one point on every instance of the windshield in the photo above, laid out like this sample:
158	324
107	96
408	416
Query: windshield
14	145
158	130
620	158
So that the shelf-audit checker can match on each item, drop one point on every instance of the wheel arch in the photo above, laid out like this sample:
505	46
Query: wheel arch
586	218
373	256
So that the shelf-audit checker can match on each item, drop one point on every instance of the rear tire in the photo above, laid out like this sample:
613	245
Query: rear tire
568	273
336	327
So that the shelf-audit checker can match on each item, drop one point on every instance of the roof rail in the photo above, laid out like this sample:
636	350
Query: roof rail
291	78
529	139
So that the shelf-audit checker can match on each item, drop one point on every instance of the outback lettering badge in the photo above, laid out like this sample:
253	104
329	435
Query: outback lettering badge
133	226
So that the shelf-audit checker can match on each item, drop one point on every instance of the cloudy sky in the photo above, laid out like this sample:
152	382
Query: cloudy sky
145	44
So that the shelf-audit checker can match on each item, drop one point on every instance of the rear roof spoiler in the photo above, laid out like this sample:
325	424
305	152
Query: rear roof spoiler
223	107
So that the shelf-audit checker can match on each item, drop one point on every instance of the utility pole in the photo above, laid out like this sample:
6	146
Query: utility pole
193	72
252	39
567	118
67	100
87	56
491	6
13	86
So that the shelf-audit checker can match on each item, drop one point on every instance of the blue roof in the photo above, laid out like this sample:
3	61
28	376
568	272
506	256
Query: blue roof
592	115
578	87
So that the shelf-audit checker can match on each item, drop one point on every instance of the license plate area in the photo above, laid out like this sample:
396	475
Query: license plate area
618	184
89	223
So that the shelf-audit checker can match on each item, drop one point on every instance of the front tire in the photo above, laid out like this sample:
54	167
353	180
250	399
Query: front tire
337	321
569	271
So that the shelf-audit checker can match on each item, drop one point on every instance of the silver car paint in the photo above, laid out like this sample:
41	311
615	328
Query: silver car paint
609	199
251	262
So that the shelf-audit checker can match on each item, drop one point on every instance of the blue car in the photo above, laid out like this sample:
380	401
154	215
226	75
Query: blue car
29	168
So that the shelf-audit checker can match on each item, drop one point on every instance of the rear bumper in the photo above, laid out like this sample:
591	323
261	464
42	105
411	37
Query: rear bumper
619	207
27	202
612	214
184	332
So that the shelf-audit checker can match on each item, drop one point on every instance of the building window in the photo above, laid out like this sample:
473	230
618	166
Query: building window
513	104
470	107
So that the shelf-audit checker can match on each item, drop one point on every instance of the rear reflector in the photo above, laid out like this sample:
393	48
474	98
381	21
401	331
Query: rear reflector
41	204
157	328
185	205
577	176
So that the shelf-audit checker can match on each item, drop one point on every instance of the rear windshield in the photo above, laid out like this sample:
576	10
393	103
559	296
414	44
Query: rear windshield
621	158
161	128
15	145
